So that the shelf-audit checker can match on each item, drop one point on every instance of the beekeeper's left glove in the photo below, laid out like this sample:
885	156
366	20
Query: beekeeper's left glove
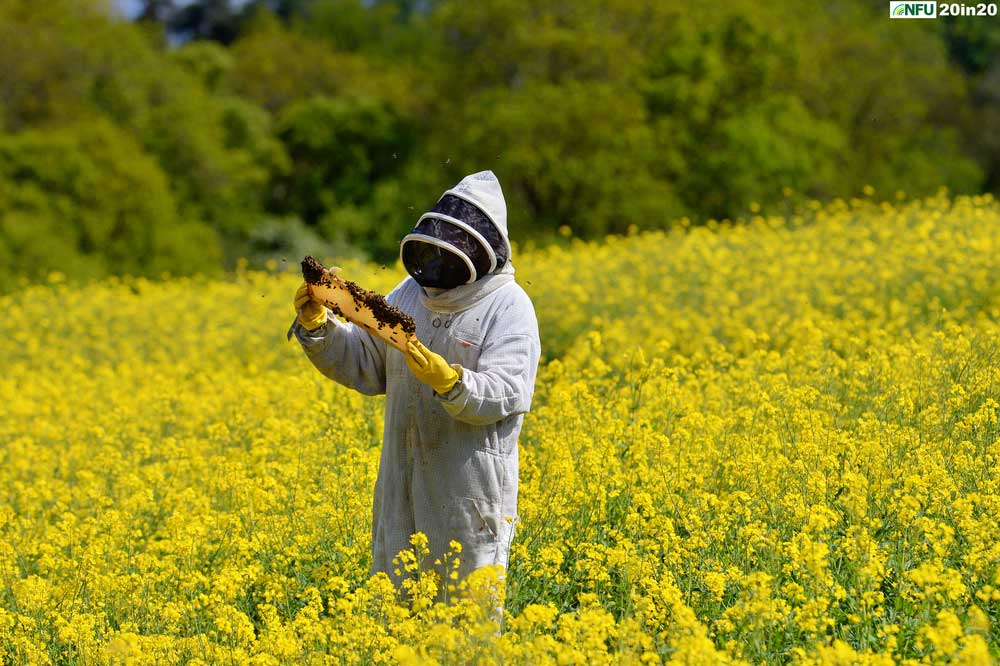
431	368
312	315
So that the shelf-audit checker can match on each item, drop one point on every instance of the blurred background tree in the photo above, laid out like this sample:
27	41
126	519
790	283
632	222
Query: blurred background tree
138	136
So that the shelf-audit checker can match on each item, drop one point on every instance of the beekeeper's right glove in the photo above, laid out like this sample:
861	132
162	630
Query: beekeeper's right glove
430	368
312	315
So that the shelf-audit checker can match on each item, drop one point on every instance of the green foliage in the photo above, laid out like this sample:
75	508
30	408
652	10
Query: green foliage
275	67
478	46
340	121
892	91
209	62
49	51
339	147
281	243
395	206
751	155
218	150
975	46
93	67
86	201
353	25
579	154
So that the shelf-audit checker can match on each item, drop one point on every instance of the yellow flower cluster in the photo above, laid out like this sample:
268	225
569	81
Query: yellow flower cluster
768	442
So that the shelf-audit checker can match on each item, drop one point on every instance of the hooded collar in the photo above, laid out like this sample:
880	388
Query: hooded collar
464	296
481	189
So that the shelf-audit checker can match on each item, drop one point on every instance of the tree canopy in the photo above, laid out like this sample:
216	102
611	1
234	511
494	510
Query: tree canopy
205	131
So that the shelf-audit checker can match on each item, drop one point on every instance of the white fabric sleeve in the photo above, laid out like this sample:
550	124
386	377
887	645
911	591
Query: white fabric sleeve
346	354
503	387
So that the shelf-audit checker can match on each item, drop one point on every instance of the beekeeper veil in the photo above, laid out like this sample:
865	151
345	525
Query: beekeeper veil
463	238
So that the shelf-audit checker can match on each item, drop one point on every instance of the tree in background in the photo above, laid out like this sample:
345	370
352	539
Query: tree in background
273	124
974	45
339	148
85	200
68	63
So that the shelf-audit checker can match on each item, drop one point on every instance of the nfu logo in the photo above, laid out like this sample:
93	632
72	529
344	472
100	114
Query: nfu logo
924	10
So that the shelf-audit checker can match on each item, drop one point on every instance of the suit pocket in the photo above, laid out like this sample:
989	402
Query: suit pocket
475	524
464	347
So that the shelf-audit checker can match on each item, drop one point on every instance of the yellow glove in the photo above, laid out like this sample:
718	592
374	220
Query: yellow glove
431	368
312	315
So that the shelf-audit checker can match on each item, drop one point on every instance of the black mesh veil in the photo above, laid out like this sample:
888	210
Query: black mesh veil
434	266
463	210
459	237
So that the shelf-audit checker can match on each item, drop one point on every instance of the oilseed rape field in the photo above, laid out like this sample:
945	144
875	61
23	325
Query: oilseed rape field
773	442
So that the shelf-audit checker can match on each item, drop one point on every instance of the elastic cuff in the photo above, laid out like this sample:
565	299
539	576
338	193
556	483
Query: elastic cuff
307	337
457	388
318	329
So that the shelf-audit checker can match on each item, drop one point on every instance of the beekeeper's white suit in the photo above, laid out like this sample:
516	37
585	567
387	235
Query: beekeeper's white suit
449	464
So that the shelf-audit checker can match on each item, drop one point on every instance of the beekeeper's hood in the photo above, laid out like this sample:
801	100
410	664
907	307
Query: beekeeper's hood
463	238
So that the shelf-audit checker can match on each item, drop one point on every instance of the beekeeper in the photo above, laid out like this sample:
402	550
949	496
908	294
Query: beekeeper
453	411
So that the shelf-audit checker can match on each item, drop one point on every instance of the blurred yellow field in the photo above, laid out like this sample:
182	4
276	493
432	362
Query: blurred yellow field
774	442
